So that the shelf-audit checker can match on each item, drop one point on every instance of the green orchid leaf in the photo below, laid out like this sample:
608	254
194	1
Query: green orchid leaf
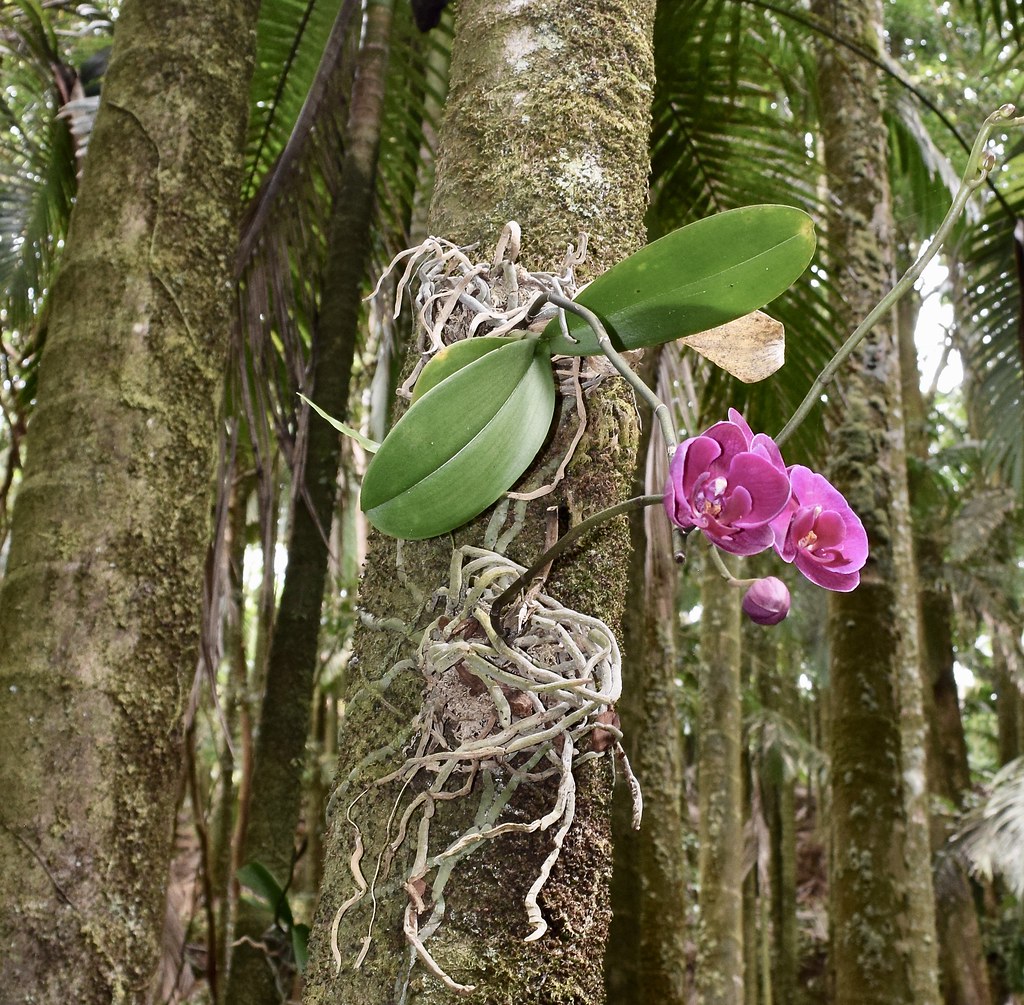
696	278
454	357
300	946
370	446
462	444
258	878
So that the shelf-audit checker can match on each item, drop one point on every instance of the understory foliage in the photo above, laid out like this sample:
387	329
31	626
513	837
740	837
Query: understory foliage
746	133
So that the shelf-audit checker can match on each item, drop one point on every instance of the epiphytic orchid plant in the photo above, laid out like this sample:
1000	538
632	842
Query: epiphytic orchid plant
482	406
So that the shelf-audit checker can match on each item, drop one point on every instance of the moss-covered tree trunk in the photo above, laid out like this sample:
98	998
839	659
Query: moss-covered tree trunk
287	699
547	124
882	911
99	612
720	957
1006	672
647	952
964	976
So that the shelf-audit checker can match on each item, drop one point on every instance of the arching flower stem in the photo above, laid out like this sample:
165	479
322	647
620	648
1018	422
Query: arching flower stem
570	538
979	164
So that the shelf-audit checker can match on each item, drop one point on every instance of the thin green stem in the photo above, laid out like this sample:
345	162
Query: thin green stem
660	409
726	573
979	164
570	538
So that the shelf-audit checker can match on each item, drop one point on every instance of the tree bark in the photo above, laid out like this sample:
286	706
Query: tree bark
647	950
99	612
884	946
547	123
720	958
778	799
964	976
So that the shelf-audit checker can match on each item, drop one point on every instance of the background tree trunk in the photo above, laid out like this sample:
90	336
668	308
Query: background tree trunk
287	700
883	924
99	612
720	958
964	976
546	123
647	950
777	690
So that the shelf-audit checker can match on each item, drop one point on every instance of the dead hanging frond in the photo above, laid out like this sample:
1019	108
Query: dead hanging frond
992	836
771	733
978	522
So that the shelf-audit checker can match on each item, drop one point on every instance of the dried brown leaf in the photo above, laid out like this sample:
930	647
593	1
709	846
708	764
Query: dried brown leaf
750	348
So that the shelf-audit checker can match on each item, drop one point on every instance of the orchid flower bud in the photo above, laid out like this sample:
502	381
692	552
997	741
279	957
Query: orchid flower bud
767	601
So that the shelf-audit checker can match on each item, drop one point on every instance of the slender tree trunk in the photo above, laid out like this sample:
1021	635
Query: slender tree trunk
884	947
99	612
719	736
778	800
964	975
287	700
647	949
235	715
751	943
547	123
1006	669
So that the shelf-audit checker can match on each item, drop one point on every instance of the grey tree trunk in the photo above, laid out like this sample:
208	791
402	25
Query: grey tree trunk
777	690
99	611
963	972
547	123
882	907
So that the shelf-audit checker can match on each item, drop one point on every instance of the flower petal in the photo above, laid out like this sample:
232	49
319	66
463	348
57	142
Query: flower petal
822	575
768	487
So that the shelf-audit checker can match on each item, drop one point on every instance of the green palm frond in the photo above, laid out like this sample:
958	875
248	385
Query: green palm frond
742	135
990	333
37	166
416	88
998	22
291	39
283	240
923	178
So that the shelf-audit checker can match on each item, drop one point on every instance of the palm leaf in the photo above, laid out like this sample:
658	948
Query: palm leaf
740	138
283	242
989	332
291	38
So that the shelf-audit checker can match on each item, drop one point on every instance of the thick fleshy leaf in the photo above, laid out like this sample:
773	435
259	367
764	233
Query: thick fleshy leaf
694	279
751	348
462	444
454	357
259	879
300	946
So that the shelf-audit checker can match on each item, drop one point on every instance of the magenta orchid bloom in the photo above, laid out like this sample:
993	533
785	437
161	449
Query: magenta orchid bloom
820	533
729	483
